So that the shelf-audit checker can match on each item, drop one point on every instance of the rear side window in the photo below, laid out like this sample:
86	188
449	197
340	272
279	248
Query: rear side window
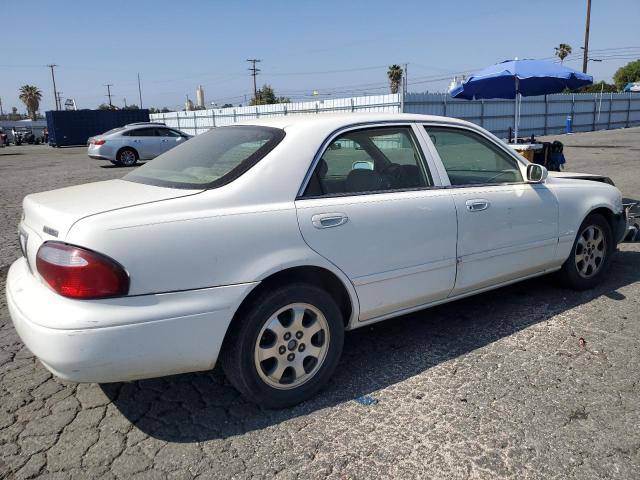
211	159
370	160
141	132
471	159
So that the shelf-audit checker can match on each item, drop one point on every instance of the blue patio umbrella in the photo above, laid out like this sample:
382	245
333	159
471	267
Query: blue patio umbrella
518	78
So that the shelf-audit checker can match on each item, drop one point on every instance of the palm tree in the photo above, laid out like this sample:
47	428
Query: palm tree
31	96
395	77
562	51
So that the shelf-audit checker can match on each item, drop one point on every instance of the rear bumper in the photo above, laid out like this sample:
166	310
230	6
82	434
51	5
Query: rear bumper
99	157
120	339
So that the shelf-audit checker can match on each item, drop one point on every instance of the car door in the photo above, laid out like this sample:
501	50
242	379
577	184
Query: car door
169	138
507	228
146	142
374	208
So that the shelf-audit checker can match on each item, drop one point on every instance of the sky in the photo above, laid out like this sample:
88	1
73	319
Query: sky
338	48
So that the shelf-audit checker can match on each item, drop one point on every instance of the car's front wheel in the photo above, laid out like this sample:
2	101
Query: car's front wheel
591	254
284	346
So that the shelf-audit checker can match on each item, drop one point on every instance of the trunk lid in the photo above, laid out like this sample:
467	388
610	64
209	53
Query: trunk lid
52	214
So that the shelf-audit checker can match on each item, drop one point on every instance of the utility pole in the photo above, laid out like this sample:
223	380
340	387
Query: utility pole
405	84
53	77
585	55
59	99
254	72
1	112
125	102
109	85
139	91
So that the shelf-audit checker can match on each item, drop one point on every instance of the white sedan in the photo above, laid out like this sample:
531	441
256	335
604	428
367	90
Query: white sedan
124	146
258	245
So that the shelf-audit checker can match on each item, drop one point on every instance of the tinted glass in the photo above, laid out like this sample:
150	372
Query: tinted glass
379	159
141	132
166	132
210	159
471	159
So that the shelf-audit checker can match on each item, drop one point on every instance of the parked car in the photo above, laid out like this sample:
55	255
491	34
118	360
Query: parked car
137	141
3	138
258	245
25	135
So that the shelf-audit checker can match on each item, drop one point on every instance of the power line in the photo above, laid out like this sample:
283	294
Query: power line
254	72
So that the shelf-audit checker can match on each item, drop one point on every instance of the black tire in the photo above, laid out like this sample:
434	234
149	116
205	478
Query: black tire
238	355
570	275
127	157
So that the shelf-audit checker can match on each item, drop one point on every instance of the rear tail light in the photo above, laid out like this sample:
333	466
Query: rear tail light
98	142
78	273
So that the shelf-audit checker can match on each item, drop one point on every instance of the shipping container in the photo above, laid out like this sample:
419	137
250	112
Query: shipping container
74	127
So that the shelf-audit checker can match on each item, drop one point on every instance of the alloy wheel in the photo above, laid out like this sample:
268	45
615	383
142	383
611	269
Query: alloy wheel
591	250
292	346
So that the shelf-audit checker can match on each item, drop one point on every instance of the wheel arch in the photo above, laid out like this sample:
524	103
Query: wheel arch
313	274
608	215
128	147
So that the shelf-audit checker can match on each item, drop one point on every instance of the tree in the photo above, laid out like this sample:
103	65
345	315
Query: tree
31	96
628	73
266	96
597	88
563	51
395	77
133	106
106	106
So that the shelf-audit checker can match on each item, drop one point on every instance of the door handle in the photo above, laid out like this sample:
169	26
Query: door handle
328	220
477	205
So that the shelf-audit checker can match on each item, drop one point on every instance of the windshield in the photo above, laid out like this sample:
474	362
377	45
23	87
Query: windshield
209	160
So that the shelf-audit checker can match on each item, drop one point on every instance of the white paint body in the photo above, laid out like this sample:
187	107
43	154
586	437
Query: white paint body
193	256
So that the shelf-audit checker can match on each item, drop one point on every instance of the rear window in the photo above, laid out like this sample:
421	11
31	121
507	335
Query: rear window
114	130
209	160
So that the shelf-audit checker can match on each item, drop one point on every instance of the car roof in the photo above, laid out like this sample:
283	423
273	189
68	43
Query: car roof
145	124
339	120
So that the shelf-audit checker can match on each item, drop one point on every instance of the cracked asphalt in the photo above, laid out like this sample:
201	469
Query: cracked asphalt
529	381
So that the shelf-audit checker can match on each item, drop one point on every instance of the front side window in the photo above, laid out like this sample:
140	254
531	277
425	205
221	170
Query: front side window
371	160
471	159
167	132
211	159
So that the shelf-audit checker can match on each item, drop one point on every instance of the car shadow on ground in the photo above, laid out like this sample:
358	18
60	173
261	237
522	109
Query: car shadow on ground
203	406
138	164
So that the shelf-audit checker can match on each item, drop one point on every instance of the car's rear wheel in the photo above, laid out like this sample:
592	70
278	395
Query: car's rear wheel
591	254
127	157
284	346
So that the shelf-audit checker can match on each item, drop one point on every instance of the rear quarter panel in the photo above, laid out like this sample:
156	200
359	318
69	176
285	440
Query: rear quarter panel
187	243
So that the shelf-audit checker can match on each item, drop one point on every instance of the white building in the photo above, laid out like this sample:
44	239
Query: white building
200	97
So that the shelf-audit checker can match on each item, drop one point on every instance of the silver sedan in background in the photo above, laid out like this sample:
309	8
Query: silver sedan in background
126	145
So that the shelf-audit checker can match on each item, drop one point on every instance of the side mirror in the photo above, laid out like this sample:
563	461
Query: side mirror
536	173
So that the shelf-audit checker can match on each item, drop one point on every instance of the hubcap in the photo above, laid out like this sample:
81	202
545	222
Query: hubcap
128	157
292	346
590	251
